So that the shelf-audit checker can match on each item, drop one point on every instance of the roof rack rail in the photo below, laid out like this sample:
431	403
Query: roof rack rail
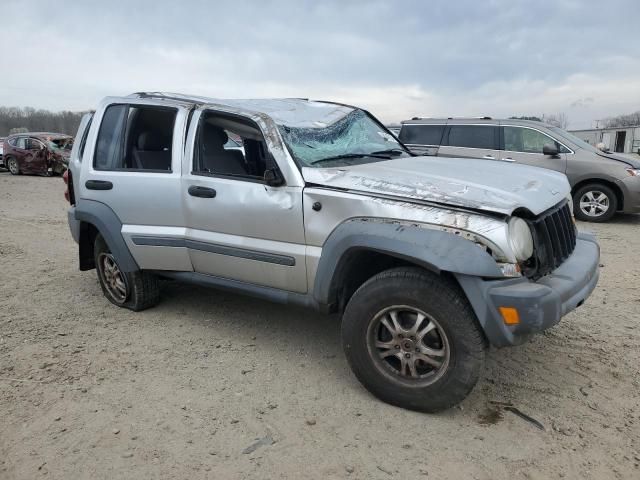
453	118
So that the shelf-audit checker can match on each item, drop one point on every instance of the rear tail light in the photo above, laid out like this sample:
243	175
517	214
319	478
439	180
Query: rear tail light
68	192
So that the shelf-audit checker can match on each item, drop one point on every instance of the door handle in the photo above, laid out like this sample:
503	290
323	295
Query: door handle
202	192
98	185
489	157
507	159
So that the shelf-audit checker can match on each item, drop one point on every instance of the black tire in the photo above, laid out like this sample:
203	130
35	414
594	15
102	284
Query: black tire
448	309
598	191
141	289
13	170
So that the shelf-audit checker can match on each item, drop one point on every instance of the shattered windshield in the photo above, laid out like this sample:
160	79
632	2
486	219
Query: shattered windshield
355	138
60	143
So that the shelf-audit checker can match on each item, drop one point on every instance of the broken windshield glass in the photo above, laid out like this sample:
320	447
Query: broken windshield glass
60	143
355	136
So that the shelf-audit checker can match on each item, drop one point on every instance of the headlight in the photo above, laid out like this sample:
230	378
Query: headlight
634	172
520	239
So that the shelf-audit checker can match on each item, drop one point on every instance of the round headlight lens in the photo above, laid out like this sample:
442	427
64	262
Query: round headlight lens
520	239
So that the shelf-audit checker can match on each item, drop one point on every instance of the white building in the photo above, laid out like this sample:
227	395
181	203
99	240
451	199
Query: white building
620	139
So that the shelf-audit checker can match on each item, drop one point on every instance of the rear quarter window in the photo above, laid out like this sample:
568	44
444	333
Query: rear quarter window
421	134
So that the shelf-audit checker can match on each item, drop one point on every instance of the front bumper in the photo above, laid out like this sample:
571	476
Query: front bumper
540	304
630	187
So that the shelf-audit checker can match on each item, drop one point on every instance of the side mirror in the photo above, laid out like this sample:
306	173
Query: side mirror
273	178
549	149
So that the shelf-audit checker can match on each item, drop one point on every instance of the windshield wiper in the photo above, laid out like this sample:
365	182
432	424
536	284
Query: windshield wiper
350	155
391	151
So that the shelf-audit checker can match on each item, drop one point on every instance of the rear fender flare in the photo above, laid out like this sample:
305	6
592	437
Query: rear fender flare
110	227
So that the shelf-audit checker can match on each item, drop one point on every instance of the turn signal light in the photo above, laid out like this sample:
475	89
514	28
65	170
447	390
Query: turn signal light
510	315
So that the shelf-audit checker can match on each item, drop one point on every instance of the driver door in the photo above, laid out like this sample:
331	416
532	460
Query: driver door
524	145
238	226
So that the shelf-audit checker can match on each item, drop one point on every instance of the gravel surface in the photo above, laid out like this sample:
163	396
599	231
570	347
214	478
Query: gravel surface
213	385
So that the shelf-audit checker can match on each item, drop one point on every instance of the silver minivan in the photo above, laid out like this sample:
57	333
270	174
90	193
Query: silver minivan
601	182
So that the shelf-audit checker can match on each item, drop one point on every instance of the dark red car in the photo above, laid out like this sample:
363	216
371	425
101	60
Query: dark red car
37	152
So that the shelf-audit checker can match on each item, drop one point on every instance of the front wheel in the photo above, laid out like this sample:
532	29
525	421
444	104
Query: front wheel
133	290
595	203
412	340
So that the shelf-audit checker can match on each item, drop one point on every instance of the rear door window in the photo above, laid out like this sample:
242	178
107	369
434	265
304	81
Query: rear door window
472	136
421	134
135	137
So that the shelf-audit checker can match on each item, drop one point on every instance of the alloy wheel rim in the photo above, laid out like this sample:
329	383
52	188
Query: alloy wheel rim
113	279
13	165
409	345
594	203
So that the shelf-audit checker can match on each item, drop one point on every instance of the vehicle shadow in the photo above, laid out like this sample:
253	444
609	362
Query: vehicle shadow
626	219
531	375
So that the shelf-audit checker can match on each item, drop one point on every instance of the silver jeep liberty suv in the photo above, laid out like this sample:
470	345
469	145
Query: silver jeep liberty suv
428	261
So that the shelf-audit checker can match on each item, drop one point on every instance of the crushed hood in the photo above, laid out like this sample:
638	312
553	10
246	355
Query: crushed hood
494	186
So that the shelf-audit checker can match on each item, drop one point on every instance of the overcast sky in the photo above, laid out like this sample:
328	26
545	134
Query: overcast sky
396	58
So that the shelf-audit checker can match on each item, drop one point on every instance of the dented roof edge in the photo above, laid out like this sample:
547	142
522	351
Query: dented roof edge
292	112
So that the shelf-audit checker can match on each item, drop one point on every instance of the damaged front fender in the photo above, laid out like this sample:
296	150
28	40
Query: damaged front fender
431	249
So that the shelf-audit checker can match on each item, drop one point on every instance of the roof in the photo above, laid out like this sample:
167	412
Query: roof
474	120
292	112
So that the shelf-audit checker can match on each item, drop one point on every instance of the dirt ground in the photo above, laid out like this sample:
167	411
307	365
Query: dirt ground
214	385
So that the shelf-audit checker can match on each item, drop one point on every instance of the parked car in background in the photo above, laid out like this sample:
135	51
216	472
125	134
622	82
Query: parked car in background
2	153
427	264
395	129
601	182
37	153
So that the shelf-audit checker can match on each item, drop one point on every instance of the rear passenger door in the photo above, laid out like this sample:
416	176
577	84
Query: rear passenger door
524	145
471	141
133	158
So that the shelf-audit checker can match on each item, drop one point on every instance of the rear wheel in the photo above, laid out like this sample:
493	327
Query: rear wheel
13	166
133	290
595	203
412	340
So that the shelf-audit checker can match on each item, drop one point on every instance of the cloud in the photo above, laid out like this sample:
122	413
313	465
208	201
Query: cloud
435	58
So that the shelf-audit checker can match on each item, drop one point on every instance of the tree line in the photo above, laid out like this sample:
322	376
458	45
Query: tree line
559	120
629	120
28	119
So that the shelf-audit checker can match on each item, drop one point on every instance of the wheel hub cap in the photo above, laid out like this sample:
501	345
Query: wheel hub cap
114	280
408	344
594	203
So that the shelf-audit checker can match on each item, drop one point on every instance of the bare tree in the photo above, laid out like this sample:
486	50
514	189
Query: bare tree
525	117
28	119
559	120
630	120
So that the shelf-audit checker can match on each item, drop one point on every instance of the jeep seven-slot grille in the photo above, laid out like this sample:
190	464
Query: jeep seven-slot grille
554	239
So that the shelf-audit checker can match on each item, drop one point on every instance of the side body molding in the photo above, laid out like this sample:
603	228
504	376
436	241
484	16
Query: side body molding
110	227
434	250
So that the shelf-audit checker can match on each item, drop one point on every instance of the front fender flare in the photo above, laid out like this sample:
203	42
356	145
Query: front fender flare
434	250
